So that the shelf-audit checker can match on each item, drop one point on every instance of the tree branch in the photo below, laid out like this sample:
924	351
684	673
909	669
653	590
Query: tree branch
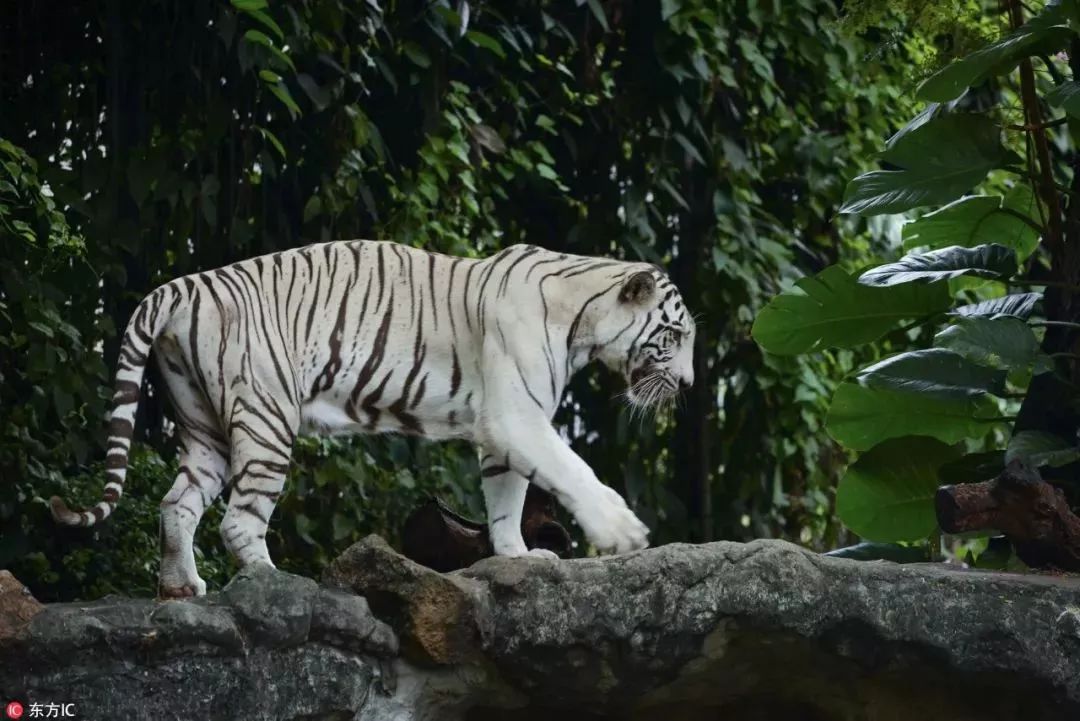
1033	282
1030	128
1054	324
1033	514
1045	186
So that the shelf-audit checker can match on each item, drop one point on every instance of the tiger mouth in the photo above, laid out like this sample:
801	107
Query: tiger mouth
650	386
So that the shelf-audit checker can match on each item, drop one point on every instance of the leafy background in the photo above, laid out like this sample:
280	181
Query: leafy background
997	383
143	141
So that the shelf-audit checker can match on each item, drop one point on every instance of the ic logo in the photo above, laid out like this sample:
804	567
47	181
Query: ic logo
14	710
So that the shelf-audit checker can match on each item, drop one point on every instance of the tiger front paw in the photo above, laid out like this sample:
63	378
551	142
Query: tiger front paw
609	524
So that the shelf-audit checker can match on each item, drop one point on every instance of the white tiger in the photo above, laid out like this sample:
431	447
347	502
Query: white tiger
370	337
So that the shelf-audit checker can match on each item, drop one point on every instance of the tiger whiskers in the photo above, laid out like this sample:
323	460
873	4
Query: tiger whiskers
654	393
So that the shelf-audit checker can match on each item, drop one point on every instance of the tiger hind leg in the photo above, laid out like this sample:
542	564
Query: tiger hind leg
261	439
203	464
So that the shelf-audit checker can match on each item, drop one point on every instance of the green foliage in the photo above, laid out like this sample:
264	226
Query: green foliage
1045	34
936	31
60	559
343	490
983	261
928	415
1037	449
979	220
995	342
1018	305
1067	97
860	417
711	137
833	309
50	376
932	373
937	160
887	495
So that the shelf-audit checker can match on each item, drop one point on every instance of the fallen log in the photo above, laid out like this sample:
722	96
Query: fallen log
1032	514
437	537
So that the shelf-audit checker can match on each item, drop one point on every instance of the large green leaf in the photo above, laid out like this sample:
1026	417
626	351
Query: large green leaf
1044	34
930	112
937	162
1067	97
983	261
953	141
1017	305
862	417
1003	342
888	494
832	310
1038	448
936	372
895	191
978	220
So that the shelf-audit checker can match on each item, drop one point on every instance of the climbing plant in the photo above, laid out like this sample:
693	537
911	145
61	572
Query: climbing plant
975	331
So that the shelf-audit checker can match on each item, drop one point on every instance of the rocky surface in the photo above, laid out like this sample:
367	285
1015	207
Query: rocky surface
270	646
759	631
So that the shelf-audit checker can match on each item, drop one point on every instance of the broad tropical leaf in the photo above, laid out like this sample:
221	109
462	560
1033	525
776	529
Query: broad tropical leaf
1067	97
895	191
862	417
934	372
978	220
1017	305
1038	448
1003	342
888	494
937	161
832	310
930	112
949	142
1044	34
983	261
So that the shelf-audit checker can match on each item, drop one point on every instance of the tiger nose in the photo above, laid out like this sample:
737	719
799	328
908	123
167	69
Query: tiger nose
685	383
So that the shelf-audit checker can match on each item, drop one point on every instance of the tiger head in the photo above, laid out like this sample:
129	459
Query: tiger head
653	345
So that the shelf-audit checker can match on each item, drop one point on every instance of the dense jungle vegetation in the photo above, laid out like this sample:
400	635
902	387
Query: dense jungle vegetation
143	141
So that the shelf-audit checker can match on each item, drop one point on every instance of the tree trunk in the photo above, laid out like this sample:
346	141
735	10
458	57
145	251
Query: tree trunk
690	439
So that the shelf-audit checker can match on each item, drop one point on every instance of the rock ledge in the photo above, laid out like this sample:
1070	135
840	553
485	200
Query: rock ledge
759	631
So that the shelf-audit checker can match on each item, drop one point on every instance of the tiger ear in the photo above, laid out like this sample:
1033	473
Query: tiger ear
638	288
